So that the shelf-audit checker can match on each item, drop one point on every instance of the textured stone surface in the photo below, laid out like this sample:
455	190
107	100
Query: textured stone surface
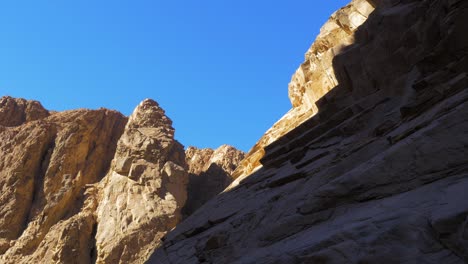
88	186
210	172
45	167
142	196
368	167
15	112
312	80
378	174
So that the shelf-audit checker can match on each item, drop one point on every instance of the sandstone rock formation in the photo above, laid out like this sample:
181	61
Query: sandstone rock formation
142	196
15	112
377	174
91	186
210	173
45	167
312	80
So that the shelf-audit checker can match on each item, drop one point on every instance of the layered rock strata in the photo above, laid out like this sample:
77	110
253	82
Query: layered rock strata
312	80
378	174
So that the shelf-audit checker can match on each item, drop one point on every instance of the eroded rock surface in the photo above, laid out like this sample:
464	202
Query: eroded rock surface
45	167
378	174
210	172
312	80
92	186
17	111
142	196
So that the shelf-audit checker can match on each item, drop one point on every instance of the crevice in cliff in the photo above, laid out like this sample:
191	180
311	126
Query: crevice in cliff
117	130
39	176
93	246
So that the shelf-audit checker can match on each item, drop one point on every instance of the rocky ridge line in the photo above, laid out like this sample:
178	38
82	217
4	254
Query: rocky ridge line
89	186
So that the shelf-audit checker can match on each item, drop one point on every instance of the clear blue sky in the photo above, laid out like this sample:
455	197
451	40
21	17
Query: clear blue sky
219	68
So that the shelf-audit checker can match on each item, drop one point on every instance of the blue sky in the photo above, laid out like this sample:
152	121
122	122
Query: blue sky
220	69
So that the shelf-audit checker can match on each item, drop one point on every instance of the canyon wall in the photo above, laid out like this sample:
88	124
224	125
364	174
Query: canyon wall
93	186
374	171
312	80
210	172
368	166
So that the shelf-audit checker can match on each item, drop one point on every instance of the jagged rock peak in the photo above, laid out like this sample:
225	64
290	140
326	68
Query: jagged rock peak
226	156
149	114
197	158
148	135
150	174
17	111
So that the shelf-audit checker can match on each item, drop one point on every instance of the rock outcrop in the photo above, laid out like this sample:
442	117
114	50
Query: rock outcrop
312	80
45	167
92	186
210	172
377	173
15	112
142	196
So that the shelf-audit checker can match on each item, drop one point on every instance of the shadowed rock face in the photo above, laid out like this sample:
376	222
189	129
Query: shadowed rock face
91	186
209	173
312	80
368	167
377	174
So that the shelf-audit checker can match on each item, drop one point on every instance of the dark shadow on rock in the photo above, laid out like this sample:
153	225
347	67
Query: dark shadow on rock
204	186
385	81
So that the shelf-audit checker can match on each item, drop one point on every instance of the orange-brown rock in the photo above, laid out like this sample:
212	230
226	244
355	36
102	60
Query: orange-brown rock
92	186
45	167
15	112
210	172
370	165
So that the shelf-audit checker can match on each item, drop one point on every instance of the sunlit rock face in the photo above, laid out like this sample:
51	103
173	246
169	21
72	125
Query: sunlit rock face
47	168
142	195
92	186
15	111
312	80
210	172
376	172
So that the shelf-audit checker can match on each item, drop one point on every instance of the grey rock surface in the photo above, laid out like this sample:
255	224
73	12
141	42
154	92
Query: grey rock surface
378	175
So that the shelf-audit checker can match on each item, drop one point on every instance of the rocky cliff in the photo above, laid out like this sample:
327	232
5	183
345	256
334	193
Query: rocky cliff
210	172
142	195
370	164
312	80
46	167
92	186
